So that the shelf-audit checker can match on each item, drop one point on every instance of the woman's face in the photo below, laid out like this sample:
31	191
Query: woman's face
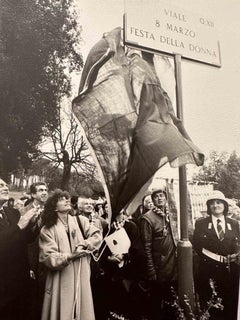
63	205
147	202
216	207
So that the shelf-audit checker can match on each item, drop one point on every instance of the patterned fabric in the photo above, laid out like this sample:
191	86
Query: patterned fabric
220	230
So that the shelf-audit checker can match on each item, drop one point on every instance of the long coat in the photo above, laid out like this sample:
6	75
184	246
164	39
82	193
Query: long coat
14	266
67	293
33	249
225	276
159	248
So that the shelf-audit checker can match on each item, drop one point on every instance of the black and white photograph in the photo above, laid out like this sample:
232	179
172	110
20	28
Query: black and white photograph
119	160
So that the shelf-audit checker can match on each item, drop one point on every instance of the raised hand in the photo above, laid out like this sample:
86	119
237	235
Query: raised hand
26	218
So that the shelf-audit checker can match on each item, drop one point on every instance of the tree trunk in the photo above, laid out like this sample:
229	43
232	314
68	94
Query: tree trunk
66	171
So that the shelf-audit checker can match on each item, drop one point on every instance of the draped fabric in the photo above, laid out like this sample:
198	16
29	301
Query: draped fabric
128	120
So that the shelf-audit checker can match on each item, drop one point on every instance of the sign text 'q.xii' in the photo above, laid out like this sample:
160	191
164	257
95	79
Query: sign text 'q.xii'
160	27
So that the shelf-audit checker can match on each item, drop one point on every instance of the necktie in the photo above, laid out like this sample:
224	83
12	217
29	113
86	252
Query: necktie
3	217
220	230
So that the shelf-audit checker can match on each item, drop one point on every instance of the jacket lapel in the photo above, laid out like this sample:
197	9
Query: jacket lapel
211	230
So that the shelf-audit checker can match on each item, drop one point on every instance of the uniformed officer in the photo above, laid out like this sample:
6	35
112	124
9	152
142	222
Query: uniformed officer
216	241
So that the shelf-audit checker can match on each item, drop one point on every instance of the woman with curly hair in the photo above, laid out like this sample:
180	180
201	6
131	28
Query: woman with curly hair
65	247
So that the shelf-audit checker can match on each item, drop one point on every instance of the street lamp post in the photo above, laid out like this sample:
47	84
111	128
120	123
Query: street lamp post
184	247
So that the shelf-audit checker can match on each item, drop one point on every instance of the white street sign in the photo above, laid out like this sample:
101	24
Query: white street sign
158	26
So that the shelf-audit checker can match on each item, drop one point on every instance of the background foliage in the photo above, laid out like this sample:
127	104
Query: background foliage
38	50
224	170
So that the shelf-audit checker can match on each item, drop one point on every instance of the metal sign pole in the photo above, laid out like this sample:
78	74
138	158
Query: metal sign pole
184	247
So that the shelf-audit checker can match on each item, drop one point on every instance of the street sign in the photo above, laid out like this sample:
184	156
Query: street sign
158	26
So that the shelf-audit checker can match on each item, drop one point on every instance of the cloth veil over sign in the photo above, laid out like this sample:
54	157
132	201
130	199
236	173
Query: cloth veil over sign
118	242
128	120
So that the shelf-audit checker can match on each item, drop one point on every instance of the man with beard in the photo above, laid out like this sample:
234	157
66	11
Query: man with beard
15	234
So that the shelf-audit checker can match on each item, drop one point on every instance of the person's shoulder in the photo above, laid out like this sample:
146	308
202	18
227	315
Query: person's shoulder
130	223
148	214
11	212
232	221
47	231
202	221
83	219
149	217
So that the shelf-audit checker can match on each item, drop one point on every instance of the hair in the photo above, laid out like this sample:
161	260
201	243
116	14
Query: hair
74	200
33	187
97	207
50	216
105	214
23	198
29	200
81	200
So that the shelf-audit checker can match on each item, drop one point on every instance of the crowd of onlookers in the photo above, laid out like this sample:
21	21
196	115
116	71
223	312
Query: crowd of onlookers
55	263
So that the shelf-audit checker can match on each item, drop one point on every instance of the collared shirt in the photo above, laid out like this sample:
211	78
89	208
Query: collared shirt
223	223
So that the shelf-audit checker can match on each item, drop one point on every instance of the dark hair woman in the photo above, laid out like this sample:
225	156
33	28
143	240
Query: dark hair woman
65	251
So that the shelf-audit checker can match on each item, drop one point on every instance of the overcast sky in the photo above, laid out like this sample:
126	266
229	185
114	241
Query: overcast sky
211	96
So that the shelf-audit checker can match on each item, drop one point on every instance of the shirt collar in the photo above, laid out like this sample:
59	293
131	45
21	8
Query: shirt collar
214	219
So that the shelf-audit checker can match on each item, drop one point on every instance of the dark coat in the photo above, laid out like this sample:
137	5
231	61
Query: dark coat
118	290
160	249
33	247
14	266
205	237
225	276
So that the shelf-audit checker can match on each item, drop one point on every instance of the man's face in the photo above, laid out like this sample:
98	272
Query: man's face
4	192
41	194
159	199
86	205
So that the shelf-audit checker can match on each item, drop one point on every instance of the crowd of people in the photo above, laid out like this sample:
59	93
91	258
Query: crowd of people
55	264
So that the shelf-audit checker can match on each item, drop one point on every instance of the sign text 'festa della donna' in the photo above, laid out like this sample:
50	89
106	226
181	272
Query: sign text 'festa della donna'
158	26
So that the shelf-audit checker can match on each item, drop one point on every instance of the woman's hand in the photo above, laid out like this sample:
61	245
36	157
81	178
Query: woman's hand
77	254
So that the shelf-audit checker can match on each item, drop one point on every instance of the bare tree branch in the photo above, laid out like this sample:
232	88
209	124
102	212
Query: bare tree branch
69	149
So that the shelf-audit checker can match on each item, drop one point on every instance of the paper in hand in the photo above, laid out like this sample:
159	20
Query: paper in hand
118	242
